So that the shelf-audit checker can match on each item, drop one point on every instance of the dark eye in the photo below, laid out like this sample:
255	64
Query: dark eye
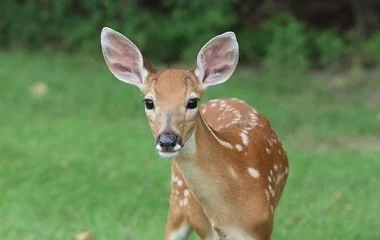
149	104
192	103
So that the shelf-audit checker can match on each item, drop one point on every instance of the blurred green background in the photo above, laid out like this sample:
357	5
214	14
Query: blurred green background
76	155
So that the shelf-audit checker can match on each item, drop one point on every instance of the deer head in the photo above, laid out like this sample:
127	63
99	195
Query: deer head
171	96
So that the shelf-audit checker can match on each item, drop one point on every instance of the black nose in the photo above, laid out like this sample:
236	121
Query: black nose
168	140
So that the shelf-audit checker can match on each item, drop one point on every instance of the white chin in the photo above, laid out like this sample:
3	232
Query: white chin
168	154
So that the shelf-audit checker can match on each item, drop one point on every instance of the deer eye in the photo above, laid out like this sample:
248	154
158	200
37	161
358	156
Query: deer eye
192	103
149	103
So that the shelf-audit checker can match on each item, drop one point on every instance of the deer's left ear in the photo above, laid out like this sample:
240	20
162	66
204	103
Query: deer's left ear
217	59
123	58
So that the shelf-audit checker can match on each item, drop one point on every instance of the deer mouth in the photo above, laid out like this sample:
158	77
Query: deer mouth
169	153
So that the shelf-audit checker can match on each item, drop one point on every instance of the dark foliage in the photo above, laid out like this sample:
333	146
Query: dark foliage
300	33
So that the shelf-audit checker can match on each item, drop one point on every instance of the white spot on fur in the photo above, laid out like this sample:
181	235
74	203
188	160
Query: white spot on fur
271	208
253	172
213	105
175	179
179	183
253	117
267	194
229	109
204	110
275	167
268	150
271	191
247	129
286	170
244	138
269	179
239	147
186	192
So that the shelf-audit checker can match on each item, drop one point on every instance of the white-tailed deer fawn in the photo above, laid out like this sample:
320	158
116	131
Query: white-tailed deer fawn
229	167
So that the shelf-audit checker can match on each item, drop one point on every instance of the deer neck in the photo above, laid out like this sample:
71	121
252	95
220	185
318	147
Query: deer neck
203	159
202	165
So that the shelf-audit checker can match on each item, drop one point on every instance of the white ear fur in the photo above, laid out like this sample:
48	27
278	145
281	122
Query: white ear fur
122	57
217	59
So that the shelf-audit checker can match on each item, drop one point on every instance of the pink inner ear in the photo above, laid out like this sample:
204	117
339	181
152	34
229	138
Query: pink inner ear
217	59
126	58
123	68
216	70
123	58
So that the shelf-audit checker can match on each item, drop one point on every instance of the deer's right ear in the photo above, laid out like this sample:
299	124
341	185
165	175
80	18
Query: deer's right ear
217	59
123	58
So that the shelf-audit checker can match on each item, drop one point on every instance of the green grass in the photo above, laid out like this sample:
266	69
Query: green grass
81	156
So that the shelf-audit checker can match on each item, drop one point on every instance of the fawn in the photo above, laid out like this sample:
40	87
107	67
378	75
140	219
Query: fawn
229	168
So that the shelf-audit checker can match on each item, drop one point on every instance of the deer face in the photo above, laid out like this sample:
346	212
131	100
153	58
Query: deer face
171	105
171	97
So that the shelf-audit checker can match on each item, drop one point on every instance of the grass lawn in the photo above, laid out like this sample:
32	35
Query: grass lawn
76	153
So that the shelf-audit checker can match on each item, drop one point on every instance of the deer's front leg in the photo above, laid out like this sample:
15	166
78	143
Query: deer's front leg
178	226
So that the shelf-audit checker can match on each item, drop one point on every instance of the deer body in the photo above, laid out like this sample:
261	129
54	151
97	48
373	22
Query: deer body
229	168
236	179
